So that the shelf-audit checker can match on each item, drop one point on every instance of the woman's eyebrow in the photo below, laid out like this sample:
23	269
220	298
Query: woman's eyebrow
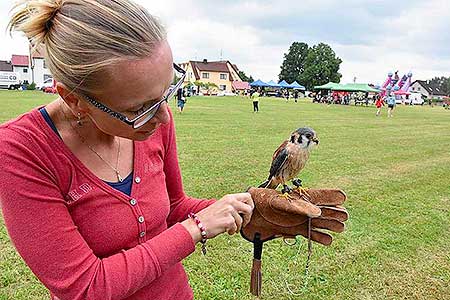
137	106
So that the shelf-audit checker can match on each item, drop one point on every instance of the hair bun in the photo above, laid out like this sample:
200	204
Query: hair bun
35	18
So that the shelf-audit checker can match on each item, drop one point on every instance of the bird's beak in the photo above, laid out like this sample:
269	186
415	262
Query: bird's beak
315	140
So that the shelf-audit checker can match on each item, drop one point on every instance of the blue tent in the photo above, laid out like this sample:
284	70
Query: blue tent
284	84
297	86
273	84
259	83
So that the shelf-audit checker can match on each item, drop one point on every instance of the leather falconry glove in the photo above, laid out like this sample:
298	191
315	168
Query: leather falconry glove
276	216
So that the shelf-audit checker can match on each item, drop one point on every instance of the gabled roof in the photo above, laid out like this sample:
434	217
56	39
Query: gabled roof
19	60
5	66
213	66
430	88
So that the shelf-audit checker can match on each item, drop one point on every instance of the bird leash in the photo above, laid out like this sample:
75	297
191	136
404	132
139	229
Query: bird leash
256	273
305	196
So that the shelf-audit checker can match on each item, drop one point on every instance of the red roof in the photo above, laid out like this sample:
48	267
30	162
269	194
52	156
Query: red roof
19	60
240	85
213	66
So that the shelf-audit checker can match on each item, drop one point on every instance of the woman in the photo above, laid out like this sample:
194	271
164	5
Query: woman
90	186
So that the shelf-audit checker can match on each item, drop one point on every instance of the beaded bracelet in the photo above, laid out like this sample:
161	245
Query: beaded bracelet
202	231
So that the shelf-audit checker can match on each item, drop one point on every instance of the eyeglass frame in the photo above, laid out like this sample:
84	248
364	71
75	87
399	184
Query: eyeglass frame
155	106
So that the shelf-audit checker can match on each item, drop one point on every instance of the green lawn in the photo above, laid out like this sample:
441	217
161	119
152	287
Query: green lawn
396	173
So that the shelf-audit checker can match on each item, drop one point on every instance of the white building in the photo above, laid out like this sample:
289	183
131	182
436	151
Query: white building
426	89
34	70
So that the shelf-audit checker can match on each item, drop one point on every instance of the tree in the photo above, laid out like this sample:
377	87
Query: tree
321	66
244	77
294	62
442	83
208	86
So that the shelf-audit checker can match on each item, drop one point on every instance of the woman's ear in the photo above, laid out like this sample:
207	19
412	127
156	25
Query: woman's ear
72	99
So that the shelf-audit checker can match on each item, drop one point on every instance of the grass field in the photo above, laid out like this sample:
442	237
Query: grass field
396	173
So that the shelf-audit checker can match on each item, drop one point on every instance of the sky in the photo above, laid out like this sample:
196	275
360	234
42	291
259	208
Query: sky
371	37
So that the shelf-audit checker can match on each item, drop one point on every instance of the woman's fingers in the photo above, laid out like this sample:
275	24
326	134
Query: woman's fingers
237	224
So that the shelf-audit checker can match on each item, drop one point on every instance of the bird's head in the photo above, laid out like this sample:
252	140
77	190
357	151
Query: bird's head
305	138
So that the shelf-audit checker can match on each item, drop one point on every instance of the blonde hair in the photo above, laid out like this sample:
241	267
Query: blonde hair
82	38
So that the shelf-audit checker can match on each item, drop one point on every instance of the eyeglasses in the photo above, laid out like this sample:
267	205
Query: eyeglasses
150	112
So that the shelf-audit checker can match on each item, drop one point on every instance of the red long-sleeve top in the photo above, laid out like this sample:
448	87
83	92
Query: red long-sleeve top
82	238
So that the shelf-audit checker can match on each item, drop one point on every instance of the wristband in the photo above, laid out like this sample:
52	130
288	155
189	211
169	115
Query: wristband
202	231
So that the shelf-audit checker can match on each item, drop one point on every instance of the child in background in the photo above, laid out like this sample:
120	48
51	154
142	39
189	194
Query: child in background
379	103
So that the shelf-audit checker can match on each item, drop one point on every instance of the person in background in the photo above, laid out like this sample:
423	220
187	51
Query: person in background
90	185
390	100
181	99
295	96
255	98
379	102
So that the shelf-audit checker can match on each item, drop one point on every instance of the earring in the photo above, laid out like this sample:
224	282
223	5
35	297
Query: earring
79	119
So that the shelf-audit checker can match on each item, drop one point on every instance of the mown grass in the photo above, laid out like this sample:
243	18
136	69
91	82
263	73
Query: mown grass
396	173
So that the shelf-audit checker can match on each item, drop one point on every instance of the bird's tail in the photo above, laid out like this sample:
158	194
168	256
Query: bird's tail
268	184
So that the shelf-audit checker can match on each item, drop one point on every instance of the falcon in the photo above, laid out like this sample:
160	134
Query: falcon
290	158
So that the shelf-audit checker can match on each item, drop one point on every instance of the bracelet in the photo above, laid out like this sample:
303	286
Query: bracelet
202	231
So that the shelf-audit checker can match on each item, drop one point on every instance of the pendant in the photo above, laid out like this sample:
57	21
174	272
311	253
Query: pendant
119	177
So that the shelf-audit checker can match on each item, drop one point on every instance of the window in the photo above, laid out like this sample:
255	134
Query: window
46	76
45	64
418	88
25	70
205	75
223	76
223	87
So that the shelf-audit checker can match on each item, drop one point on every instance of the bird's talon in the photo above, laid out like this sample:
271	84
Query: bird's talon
287	196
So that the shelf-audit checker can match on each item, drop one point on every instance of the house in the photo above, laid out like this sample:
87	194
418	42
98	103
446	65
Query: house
220	73
20	65
34	70
428	90
5	66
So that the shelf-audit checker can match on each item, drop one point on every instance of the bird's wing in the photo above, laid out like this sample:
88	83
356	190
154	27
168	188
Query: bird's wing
278	161
281	147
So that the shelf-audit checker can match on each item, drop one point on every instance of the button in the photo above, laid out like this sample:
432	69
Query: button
141	219
137	179
133	202
142	234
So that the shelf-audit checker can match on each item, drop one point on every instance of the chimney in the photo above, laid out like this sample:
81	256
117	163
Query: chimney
205	61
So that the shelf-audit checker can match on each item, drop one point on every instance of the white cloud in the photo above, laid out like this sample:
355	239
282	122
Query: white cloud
372	37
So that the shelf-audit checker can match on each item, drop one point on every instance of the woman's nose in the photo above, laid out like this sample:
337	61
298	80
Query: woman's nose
162	115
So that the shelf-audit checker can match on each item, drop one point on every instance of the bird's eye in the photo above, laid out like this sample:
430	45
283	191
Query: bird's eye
308	136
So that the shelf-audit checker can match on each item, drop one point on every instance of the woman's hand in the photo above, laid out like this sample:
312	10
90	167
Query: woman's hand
228	214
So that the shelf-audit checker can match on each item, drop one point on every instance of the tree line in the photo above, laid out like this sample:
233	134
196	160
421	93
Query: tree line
307	65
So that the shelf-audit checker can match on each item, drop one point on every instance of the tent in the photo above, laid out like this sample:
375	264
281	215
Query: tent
297	86
285	85
273	84
355	87
259	83
240	85
330	85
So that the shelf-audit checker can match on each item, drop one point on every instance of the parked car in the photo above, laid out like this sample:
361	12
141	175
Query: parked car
416	98
46	84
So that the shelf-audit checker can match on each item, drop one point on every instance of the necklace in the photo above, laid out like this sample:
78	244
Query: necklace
83	140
